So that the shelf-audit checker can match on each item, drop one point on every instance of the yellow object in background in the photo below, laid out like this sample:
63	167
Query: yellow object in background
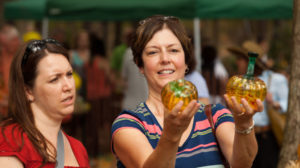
78	81
32	35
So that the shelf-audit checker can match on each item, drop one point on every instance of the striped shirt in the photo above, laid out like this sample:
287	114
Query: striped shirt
199	150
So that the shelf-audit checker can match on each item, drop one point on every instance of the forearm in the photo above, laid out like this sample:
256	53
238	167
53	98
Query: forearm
164	155
244	150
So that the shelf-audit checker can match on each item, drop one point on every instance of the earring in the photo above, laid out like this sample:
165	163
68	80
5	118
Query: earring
187	70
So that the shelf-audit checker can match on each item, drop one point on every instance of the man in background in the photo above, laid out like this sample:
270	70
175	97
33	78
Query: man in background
9	45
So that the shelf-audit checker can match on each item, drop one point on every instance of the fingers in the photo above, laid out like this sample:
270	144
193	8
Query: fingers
246	106
260	106
237	108
176	110
191	109
243	107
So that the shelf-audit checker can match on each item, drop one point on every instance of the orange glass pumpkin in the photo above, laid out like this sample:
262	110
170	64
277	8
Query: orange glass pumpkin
247	86
178	90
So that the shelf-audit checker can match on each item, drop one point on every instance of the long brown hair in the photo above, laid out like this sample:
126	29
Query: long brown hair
150	26
23	73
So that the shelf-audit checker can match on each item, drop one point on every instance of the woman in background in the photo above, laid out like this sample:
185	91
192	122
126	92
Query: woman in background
42	93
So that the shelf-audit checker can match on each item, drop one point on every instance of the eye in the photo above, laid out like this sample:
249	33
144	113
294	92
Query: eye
70	73
151	52
174	50
54	80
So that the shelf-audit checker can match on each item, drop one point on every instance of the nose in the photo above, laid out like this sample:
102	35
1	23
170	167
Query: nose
68	83
165	57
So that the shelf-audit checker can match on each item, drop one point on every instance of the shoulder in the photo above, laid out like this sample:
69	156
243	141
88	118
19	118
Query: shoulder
141	119
197	79
10	161
221	114
279	77
141	112
14	142
11	137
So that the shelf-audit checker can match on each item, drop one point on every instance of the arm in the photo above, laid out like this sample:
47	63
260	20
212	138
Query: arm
134	150
10	162
239	149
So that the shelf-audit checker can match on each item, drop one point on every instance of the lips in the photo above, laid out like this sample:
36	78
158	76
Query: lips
166	71
68	100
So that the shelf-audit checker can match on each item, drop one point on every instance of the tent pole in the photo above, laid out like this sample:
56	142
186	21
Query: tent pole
45	27
197	43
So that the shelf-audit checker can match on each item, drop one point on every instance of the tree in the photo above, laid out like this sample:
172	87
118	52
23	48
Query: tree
291	138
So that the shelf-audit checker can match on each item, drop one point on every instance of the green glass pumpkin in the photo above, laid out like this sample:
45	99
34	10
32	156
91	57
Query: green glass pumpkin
247	86
177	90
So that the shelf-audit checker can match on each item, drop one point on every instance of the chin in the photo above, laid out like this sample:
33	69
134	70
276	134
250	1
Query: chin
68	111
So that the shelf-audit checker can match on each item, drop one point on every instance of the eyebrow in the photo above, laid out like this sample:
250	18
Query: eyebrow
56	73
170	45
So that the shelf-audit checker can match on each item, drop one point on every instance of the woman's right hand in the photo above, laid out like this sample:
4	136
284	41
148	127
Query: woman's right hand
176	121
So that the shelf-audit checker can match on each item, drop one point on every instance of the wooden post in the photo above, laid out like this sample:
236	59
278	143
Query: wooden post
291	138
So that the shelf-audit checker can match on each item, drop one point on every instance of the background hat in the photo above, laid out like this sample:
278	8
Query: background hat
250	46
32	35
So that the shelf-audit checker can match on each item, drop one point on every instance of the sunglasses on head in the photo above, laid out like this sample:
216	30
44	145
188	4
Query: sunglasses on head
37	45
158	17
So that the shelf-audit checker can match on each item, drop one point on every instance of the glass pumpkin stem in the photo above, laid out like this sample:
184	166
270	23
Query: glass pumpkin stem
251	65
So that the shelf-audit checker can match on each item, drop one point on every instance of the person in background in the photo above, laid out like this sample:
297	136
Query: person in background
214	73
43	94
119	51
197	79
99	90
60	35
277	96
79	56
9	44
135	85
152	136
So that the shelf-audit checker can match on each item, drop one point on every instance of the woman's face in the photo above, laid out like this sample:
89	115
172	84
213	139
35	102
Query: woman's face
163	59
53	94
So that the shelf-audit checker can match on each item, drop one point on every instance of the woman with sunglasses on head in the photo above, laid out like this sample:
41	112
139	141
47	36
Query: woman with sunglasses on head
42	93
152	136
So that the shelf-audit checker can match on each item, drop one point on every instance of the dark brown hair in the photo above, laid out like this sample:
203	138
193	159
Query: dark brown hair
149	27
23	73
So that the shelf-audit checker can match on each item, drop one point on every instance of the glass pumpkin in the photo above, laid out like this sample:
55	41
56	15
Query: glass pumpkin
177	90
247	86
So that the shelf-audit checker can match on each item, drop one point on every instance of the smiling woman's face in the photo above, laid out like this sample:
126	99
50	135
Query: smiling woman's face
163	59
53	92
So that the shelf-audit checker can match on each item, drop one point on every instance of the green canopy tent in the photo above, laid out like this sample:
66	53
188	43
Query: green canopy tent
204	9
136	9
116	10
25	9
241	9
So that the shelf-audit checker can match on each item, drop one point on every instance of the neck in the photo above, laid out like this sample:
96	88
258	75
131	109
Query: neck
48	126
155	104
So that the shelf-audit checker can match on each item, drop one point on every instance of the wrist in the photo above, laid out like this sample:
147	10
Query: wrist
170	139
246	130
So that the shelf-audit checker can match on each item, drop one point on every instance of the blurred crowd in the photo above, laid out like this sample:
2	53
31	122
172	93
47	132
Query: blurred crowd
106	84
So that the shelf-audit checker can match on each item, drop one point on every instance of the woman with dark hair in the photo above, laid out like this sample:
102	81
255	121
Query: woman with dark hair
42	93
153	136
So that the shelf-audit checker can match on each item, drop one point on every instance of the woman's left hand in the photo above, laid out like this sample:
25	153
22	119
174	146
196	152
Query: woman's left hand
242	113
